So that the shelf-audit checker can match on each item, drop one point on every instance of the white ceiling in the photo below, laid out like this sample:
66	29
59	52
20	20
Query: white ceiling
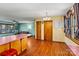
27	11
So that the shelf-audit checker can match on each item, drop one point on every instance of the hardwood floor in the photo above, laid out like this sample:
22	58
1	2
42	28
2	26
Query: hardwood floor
46	48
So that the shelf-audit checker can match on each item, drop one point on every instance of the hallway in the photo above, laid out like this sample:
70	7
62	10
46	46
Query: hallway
46	48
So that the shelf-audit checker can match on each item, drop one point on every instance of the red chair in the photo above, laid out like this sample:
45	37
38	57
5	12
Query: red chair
10	52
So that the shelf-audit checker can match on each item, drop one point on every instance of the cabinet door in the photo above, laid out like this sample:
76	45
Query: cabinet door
16	45
24	45
4	47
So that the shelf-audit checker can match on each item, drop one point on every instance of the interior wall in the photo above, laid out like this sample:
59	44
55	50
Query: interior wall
28	27
42	31
58	28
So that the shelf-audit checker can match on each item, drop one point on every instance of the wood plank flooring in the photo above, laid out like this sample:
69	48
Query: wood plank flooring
46	48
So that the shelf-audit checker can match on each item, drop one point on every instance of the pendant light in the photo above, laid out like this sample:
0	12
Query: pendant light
46	17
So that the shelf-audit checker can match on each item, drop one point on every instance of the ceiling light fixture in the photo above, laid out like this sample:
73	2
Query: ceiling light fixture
46	17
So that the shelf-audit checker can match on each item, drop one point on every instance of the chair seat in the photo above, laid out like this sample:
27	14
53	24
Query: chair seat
10	52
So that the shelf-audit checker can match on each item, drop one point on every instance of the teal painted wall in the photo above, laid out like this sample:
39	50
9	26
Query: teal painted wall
28	27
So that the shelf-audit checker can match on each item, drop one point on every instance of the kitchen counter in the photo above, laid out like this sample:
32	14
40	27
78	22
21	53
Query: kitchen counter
7	39
17	42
